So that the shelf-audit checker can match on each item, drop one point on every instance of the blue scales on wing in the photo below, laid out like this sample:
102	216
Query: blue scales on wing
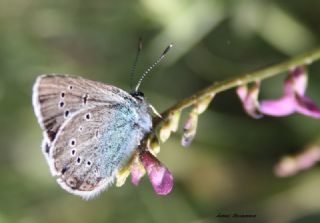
92	146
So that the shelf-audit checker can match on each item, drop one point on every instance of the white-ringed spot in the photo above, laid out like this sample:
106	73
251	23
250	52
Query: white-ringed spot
72	142
88	116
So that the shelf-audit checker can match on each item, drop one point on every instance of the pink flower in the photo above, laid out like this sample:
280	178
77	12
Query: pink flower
159	176
290	165
293	99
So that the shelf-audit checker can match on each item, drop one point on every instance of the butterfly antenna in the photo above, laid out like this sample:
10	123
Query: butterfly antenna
153	66
134	66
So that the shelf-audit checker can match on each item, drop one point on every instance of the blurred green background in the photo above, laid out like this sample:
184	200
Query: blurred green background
228	168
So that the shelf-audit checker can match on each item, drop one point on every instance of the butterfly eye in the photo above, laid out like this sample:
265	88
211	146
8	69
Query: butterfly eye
70	87
73	152
61	104
89	163
62	95
78	160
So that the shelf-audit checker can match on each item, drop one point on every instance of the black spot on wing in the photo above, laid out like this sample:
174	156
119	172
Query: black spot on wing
51	135
85	98
47	148
66	113
64	169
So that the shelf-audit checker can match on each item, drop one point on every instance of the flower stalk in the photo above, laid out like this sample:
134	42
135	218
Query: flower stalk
264	73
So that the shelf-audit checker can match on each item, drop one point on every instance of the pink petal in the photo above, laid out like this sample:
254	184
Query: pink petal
305	161
249	99
293	99
300	78
296	82
242	92
279	107
136	173
306	106
160	177
286	167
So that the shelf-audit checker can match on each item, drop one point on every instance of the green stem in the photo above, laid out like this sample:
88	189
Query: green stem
304	59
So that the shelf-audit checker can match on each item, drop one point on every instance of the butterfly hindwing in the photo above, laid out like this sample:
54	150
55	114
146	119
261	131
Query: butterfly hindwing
92	145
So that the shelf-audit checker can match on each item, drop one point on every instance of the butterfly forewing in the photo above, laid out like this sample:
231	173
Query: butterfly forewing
57	97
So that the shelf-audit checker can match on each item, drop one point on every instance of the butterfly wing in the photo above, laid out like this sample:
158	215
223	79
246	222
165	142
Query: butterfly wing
57	97
90	129
91	146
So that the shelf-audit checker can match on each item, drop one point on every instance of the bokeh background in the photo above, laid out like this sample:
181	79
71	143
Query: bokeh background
228	168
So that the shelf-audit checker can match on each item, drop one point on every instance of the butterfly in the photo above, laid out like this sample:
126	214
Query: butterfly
90	129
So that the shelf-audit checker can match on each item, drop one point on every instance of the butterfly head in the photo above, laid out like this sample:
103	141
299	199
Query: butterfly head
138	95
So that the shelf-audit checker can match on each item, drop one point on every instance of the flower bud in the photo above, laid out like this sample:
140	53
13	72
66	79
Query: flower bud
165	131
190	128
122	175
203	103
154	145
174	120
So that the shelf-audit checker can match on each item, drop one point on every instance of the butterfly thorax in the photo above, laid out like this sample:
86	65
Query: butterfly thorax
144	117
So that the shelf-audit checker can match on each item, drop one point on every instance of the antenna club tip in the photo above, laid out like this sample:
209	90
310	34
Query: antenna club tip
167	49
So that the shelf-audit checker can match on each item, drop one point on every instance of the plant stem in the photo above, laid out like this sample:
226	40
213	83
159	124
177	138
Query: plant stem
304	59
